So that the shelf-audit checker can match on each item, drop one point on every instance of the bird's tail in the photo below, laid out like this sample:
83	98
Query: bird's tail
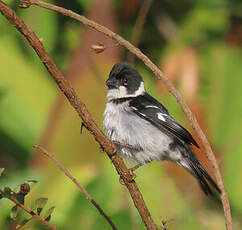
197	170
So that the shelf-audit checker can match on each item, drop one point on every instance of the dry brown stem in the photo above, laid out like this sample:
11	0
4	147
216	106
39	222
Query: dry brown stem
139	26
158	73
74	180
82	111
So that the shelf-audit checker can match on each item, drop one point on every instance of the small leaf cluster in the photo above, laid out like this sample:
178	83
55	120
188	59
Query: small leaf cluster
19	194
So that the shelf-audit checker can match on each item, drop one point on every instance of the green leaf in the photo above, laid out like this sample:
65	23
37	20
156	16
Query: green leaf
47	215
14	212
1	171
25	221
7	192
48	218
39	204
16	189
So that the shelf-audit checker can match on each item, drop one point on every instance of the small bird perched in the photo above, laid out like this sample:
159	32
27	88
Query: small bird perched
142	128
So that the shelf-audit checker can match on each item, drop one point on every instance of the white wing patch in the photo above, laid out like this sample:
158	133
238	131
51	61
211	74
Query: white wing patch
174	121
134	108
142	114
161	117
151	106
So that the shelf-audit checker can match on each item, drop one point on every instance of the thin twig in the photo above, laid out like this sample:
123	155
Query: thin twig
82	111
74	180
33	214
139	27
158	73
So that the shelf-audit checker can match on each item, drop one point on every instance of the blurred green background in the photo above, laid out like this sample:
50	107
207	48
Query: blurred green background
197	44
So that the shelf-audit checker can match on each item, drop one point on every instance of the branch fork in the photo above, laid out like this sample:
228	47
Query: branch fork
25	4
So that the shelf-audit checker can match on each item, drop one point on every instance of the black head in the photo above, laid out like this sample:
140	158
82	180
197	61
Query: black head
123	76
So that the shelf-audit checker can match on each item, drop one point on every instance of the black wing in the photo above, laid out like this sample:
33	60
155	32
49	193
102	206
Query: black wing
150	109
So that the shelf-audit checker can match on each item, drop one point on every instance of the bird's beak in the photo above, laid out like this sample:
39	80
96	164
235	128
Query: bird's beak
112	83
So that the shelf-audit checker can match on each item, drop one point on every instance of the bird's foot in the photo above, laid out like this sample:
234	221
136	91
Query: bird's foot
130	176
135	167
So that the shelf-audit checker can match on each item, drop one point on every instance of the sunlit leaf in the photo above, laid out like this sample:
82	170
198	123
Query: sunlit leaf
16	189
17	100
39	204
47	215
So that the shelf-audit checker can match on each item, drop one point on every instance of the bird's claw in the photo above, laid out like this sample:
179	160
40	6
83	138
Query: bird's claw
134	168
129	177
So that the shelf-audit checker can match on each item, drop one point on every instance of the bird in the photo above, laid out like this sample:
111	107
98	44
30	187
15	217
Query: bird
143	130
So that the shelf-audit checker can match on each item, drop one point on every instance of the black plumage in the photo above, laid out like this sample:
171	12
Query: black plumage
144	129
142	107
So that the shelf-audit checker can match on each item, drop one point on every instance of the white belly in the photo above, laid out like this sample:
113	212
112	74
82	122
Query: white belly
127	128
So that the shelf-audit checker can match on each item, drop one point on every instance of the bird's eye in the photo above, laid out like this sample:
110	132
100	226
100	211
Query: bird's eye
124	82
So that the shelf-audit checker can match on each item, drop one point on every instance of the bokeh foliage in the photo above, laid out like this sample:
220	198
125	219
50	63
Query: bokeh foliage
28	97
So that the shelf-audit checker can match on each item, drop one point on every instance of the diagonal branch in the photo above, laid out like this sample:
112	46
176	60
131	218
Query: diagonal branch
158	73
83	113
74	180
